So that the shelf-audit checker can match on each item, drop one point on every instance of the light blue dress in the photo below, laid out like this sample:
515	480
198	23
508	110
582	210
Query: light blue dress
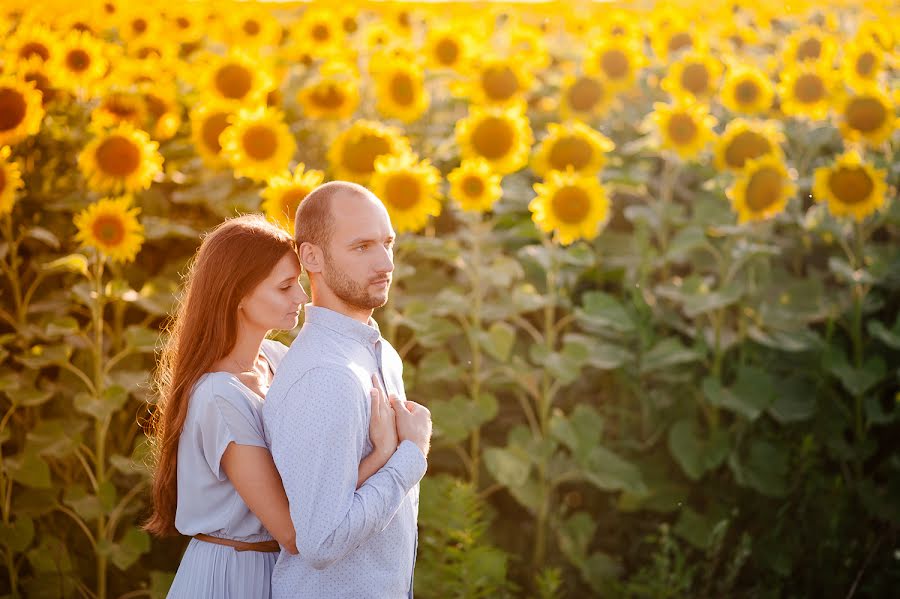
221	410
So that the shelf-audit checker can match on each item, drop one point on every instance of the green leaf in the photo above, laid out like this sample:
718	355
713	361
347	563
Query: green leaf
130	548
580	432
73	263
61	326
847	274
499	340
509	468
694	453
29	397
29	468
600	355
698	304
40	356
856	380
764	468
55	437
455	419
83	503
685	241
890	337
17	536
527	299
141	338
436	367
696	529
668	352
610	472
795	402
602	312
113	400
751	394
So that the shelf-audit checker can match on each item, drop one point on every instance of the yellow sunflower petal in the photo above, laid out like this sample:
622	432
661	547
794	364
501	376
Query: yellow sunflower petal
474	186
683	126
408	188
111	227
21	111
257	143
121	160
10	181
503	137
353	153
762	189
400	90
850	187
867	114
745	140
572	145
283	194
571	206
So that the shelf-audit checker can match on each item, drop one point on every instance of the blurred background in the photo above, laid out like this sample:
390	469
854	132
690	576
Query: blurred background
647	275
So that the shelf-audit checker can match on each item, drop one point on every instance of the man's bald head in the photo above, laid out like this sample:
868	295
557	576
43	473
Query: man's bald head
315	217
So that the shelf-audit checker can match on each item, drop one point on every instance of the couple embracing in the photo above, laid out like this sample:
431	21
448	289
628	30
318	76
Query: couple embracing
295	470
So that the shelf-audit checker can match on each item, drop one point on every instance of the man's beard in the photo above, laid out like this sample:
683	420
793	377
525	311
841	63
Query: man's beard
349	291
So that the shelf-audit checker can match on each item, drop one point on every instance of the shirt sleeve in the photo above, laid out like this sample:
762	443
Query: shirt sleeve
275	351
224	417
317	451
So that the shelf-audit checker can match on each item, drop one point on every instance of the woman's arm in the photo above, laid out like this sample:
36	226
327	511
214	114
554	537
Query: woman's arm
252	472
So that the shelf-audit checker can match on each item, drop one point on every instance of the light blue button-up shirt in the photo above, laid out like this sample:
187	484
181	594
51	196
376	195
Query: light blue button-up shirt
353	543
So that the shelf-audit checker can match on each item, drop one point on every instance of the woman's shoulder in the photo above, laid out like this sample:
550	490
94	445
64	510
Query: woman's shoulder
275	350
218	386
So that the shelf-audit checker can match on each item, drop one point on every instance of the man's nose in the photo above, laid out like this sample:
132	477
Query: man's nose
385	261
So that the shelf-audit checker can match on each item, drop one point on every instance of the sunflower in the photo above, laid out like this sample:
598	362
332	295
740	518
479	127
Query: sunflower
408	189
237	79
252	28
186	22
21	111
747	90
496	81
862	62
163	110
111	227
400	90
669	40
683	126
501	136
584	97
527	44
34	71
745	140
617	59
878	31
122	160
570	205
331	96
10	181
257	143
139	22
762	189
120	107
805	90
867	114
810	43
474	186
32	41
448	47
318	30
621	23
353	153
283	193
694	73
208	121
571	145
154	50
81	62
850	187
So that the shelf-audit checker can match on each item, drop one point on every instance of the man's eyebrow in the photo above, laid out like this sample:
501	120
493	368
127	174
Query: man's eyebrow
361	240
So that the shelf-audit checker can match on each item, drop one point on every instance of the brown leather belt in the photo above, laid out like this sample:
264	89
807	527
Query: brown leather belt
263	546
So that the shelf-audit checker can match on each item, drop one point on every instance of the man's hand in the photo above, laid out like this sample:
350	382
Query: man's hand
382	425
413	423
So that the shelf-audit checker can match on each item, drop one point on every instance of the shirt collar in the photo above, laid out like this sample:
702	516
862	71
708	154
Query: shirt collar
366	334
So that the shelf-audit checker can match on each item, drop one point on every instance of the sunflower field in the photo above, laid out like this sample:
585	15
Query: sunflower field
648	275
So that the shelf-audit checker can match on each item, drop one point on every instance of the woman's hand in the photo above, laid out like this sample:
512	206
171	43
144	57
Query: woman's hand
382	424
382	433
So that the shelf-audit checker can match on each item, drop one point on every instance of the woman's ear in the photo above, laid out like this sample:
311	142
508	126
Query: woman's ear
311	257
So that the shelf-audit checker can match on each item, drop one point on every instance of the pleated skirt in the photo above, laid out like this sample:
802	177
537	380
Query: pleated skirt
210	571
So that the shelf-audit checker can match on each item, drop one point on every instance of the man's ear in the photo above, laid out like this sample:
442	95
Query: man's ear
311	257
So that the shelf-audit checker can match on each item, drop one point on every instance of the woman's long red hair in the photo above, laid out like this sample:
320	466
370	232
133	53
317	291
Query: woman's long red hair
230	263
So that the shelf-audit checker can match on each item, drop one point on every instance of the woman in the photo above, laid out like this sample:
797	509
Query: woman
214	479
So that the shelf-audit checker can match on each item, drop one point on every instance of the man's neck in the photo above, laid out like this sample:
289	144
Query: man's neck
341	307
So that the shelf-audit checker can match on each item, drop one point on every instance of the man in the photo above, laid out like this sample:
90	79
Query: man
353	543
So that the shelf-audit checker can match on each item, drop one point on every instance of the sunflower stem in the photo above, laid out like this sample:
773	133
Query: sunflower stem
12	270
102	425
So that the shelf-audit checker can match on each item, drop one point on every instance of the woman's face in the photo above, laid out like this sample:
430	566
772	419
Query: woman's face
276	302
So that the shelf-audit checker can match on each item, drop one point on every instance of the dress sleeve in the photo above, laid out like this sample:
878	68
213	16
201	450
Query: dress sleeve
275	351
225	416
